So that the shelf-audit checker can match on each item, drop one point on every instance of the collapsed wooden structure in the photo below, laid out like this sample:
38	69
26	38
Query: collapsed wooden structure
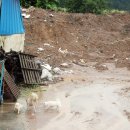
20	68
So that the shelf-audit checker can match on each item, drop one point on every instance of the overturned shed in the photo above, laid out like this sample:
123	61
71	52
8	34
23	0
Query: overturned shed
22	68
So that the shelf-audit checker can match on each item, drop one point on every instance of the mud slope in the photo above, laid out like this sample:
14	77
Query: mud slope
101	38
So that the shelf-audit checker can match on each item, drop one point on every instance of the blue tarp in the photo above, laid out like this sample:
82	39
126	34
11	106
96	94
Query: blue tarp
10	18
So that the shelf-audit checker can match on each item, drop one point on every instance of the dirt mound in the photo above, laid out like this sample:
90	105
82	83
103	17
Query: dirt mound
68	37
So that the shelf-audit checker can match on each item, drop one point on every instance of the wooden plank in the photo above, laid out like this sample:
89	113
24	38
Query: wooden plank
21	63
29	68
12	86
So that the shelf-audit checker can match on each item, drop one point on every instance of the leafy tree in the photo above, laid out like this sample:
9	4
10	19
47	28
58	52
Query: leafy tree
92	6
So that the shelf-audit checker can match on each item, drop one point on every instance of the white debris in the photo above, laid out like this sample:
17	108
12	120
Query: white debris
27	16
82	61
104	66
57	70
113	56
23	14
40	49
46	66
45	20
63	51
24	10
116	60
47	44
65	65
69	72
46	75
51	15
127	58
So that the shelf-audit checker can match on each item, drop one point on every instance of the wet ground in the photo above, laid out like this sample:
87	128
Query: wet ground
91	100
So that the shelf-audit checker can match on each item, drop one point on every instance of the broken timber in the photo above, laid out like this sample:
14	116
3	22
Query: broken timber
12	86
30	71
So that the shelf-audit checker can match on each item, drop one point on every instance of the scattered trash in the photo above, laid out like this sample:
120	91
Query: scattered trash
40	49
51	15
63	51
23	14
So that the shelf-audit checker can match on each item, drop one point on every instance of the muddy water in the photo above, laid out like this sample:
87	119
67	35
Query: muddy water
91	100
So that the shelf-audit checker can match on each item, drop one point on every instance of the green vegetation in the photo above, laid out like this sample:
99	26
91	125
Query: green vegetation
120	4
80	6
26	90
113	11
91	6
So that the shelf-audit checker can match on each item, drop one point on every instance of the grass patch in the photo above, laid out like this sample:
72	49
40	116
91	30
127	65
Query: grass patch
26	90
113	11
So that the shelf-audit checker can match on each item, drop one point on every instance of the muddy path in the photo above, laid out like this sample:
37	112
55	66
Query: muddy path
91	100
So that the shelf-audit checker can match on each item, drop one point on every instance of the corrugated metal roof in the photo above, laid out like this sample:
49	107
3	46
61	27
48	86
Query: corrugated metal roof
10	18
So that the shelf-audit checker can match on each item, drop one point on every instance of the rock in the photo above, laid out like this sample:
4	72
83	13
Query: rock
69	72
57	70
46	66
67	94
46	75
101	67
